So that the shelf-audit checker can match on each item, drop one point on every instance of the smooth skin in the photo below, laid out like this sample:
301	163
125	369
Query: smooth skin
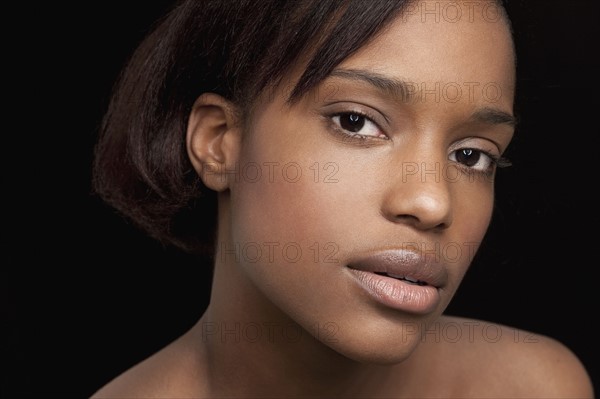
299	324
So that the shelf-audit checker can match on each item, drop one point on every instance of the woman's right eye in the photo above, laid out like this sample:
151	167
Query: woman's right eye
357	124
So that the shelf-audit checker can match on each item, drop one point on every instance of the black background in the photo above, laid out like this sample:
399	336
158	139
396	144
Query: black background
85	295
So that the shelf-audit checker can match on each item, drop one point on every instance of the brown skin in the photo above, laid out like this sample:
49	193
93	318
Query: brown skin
339	341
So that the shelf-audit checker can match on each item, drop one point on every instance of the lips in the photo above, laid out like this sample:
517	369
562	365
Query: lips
400	279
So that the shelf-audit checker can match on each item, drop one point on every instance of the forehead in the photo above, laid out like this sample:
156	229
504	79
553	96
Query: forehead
442	41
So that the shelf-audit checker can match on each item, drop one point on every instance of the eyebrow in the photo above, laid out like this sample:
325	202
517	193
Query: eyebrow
493	116
390	85
405	90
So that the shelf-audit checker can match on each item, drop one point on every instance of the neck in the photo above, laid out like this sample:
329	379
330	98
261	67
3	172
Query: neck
251	348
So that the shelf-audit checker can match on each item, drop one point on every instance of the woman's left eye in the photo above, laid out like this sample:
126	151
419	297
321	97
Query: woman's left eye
356	124
473	159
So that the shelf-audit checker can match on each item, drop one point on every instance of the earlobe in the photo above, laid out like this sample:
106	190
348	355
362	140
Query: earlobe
213	139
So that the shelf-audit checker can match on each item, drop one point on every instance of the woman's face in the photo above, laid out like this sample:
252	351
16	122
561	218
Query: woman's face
386	167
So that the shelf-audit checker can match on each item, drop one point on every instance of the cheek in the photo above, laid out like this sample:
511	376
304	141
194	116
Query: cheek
304	188
279	211
279	199
313	193
299	198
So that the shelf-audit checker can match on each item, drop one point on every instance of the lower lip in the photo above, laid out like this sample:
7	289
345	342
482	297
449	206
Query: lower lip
398	294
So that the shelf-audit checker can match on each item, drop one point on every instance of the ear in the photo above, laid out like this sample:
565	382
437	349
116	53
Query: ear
213	140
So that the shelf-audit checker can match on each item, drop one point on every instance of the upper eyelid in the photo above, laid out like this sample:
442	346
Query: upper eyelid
364	115
493	157
354	106
462	144
496	144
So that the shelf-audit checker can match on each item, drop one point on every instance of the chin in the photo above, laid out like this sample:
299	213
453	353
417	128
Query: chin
382	341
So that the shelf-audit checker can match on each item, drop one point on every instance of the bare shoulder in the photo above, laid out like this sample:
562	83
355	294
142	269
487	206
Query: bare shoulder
172	372
509	362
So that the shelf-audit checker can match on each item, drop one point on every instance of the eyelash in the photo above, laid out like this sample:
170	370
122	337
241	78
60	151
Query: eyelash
366	140
500	162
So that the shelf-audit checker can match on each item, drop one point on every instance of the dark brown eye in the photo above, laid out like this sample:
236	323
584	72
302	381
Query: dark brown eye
355	124
468	157
474	159
352	122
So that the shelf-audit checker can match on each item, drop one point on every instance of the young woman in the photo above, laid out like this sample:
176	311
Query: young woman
337	159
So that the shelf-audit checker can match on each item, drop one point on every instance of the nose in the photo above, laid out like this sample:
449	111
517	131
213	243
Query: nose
419	197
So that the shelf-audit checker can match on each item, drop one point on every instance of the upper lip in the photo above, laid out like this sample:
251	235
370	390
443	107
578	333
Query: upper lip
405	263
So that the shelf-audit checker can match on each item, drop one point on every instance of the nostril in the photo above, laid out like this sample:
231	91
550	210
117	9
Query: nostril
407	219
442	226
417	223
